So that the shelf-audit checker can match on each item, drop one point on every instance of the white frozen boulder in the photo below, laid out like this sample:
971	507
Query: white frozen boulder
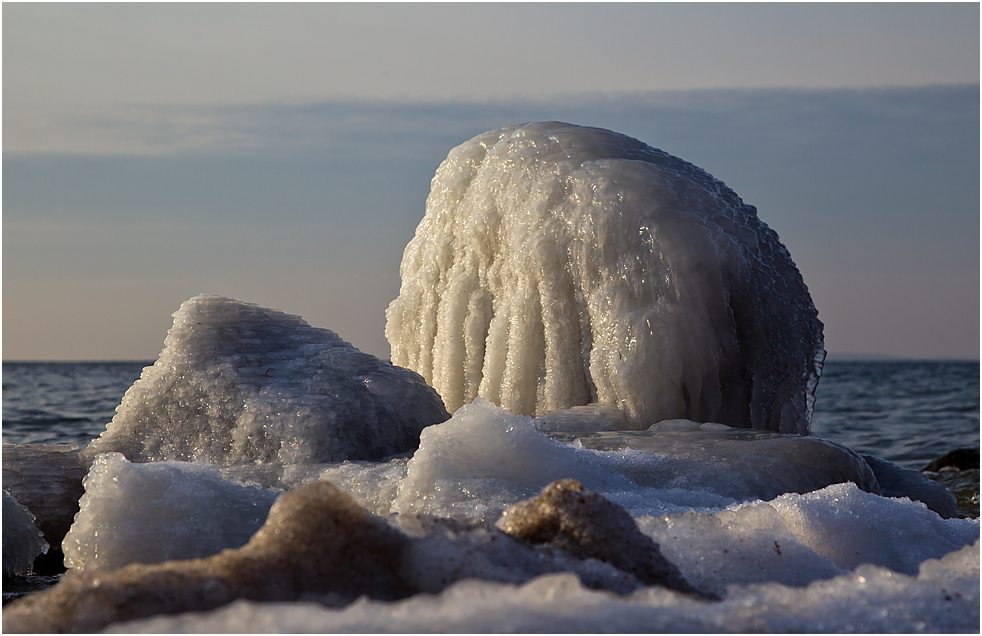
240	384
558	265
160	511
22	541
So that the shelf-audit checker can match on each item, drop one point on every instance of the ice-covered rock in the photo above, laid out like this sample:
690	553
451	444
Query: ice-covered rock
943	597
240	384
558	265
22	541
158	511
484	459
47	479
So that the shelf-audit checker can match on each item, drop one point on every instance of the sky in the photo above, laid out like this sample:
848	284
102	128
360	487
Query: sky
282	154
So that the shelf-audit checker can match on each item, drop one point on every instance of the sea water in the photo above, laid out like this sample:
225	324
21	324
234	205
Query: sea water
908	412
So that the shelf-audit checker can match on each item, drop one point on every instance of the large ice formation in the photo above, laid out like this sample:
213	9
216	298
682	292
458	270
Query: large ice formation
22	541
157	511
558	265
240	384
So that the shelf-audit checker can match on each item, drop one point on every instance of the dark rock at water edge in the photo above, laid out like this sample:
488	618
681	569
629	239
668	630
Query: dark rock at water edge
960	458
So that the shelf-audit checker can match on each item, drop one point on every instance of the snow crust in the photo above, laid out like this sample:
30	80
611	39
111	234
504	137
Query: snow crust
241	384
559	265
796	539
484	459
942	597
158	511
22	541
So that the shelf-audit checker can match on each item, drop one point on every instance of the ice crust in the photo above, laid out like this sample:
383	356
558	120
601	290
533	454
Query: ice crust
558	265
22	541
147	513
796	539
240	384
485	459
943	597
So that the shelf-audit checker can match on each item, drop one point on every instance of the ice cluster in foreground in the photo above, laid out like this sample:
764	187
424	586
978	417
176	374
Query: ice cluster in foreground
559	265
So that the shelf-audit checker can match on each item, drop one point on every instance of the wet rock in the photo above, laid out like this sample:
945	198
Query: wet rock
47	480
896	481
22	541
960	458
586	525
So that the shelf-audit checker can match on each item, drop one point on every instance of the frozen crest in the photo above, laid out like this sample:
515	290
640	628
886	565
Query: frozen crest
559	265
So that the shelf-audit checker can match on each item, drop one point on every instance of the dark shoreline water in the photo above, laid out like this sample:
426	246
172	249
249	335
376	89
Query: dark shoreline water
908	412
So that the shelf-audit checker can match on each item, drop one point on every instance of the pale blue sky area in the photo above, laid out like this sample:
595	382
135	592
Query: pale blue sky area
282	154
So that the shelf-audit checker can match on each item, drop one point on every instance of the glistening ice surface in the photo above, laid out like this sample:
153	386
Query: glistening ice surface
558	265
241	384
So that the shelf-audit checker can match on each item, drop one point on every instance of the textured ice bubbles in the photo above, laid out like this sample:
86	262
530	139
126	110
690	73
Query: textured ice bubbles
558	265
239	384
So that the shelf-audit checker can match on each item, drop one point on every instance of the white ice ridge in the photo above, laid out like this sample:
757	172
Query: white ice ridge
240	384
158	511
558	265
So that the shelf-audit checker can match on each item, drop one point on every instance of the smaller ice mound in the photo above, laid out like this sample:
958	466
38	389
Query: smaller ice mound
47	479
159	511
22	541
240	384
560	265
796	539
484	460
